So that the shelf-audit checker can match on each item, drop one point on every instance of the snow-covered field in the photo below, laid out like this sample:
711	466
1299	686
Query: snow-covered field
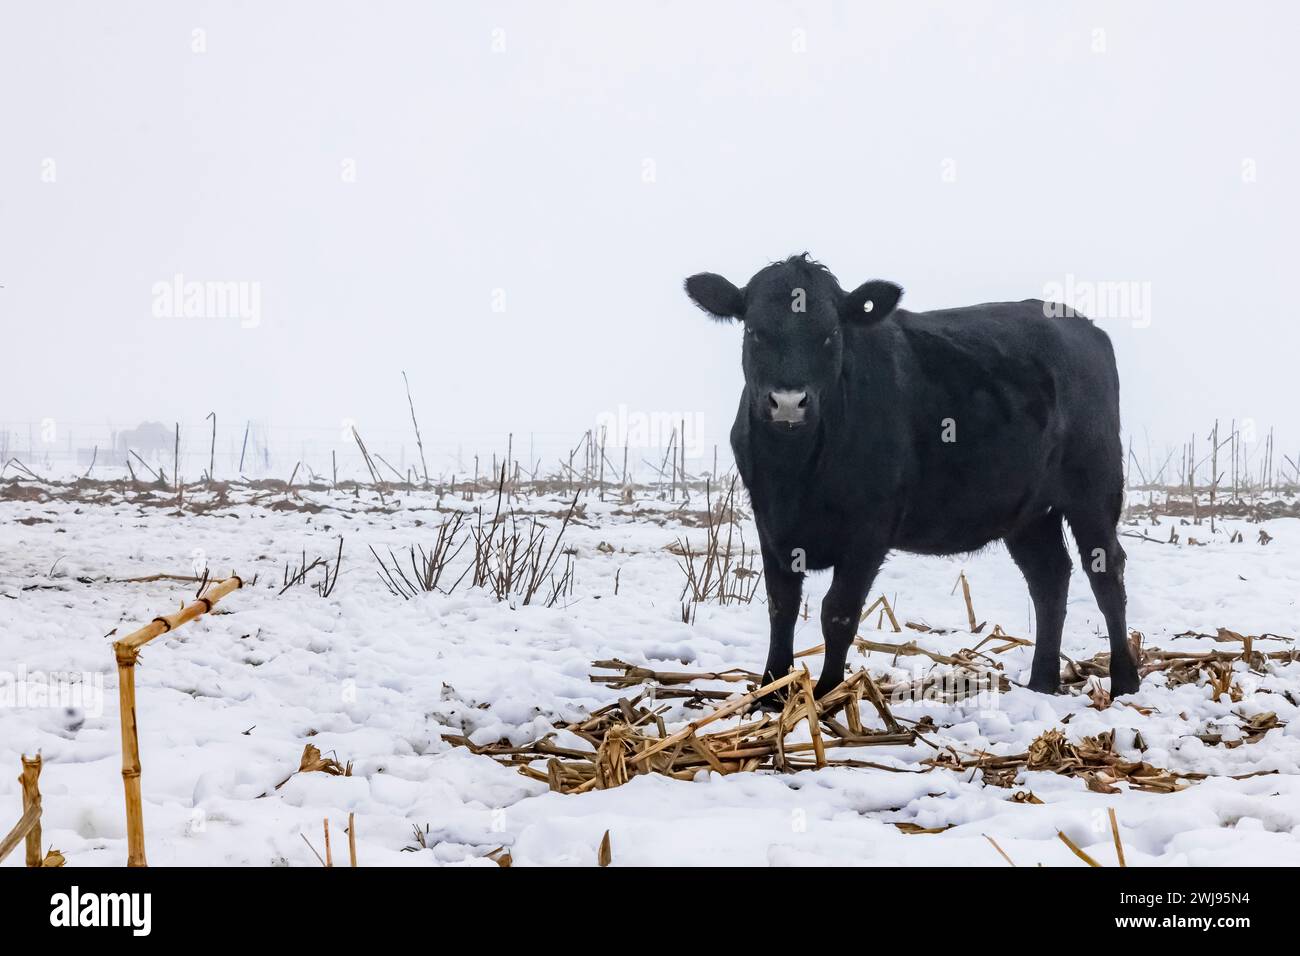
227	703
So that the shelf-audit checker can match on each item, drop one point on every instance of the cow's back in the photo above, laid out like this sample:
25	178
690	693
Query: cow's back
1002	404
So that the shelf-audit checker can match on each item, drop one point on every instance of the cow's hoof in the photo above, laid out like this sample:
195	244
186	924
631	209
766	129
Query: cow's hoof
1045	686
1121	684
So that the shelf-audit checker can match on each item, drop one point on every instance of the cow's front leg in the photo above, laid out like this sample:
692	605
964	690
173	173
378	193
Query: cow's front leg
784	590
841	612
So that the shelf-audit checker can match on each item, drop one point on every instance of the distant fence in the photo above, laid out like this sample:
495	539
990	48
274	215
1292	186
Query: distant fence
641	446
259	450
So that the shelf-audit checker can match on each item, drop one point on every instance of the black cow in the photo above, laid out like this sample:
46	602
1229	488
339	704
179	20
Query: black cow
864	428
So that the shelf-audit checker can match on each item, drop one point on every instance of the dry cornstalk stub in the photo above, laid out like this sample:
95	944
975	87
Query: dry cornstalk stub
629	737
32	797
127	652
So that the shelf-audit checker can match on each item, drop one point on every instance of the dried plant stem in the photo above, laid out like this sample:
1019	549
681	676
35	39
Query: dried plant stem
32	798
352	839
161	576
30	818
212	449
130	756
127	651
244	447
814	723
1114	829
883	602
310	847
419	443
970	608
156	475
999	849
737	705
1074	848
374	473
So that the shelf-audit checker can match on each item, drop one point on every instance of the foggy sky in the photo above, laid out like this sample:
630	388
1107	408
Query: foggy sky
574	162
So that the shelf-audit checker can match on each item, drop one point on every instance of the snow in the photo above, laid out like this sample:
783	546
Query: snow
227	703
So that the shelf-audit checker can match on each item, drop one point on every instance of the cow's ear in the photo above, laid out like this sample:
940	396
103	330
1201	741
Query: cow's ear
870	302
716	296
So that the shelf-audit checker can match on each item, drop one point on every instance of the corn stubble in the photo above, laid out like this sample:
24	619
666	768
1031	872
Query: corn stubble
514	557
630	737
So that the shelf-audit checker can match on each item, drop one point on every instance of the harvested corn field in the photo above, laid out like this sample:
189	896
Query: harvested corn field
521	715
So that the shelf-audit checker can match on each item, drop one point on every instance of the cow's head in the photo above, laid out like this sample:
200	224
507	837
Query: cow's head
795	316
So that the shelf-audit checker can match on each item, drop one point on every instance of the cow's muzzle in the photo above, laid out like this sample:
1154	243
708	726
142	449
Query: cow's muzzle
788	407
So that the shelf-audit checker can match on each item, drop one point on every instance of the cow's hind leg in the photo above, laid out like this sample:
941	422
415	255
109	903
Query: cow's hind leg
1103	561
1039	551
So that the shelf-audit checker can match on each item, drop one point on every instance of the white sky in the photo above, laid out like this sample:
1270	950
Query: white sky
523	170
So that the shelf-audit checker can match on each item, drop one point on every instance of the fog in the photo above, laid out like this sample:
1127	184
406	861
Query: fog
502	199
